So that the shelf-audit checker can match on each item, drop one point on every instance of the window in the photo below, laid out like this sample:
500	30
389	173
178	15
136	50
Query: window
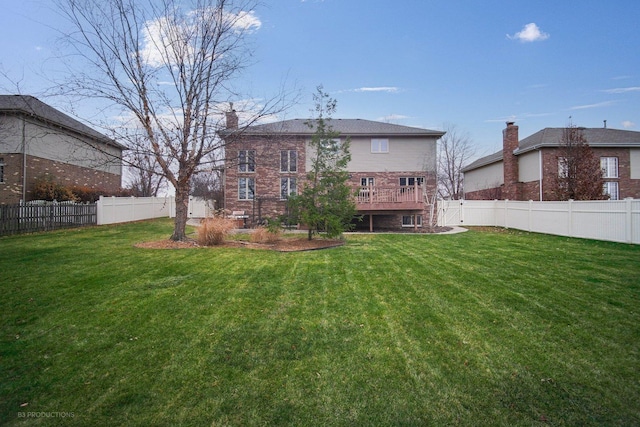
563	168
287	188
611	188
369	181
247	160
288	161
407	220
410	181
379	145
609	167
246	188
1	170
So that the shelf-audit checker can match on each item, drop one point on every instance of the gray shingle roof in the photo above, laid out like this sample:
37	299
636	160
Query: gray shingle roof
596	137
347	127
551	137
29	105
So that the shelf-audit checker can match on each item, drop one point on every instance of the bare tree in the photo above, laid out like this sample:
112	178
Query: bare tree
169	65
579	172
454	153
145	175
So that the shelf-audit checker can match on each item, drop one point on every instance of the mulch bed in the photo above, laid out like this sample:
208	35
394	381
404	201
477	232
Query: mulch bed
284	245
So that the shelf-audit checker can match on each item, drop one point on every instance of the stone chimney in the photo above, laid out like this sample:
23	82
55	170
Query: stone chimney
232	117
510	162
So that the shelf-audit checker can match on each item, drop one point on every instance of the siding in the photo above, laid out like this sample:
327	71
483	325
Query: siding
529	166
489	176
405	154
635	163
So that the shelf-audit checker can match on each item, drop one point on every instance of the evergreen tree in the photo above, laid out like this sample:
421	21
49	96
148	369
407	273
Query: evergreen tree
326	202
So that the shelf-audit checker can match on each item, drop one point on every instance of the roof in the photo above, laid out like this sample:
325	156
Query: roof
551	137
596	137
348	127
29	105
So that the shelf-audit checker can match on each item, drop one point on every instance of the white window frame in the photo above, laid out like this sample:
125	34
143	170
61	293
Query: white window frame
246	188
410	181
367	181
609	167
247	161
288	161
288	187
379	145
407	220
612	189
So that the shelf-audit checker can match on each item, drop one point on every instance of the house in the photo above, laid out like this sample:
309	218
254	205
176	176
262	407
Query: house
38	141
527	169
391	165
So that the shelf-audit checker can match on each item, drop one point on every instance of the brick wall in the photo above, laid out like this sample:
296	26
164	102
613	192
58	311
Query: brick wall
267	175
62	173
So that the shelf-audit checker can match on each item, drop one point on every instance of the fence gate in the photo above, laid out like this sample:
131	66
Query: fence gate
450	213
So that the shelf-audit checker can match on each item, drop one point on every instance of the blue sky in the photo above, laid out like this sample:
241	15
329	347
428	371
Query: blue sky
473	64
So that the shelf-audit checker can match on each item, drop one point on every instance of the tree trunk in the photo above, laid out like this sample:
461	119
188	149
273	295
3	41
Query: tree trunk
182	211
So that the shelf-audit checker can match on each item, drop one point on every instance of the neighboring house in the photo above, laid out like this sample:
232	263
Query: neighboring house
528	169
391	165
38	141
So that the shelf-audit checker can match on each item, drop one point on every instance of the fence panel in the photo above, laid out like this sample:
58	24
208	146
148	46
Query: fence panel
112	210
45	216
612	220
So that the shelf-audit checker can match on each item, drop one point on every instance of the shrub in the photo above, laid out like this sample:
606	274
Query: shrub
213	231
45	188
265	235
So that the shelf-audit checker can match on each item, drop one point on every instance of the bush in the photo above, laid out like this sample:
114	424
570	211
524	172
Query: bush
45	188
265	235
213	231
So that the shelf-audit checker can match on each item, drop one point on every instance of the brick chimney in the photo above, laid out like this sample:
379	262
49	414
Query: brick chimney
510	162
232	117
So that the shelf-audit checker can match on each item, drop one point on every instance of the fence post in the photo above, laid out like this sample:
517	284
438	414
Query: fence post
628	223
529	219
570	219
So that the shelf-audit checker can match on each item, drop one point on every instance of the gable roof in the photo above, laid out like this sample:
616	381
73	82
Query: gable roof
347	127
551	137
31	106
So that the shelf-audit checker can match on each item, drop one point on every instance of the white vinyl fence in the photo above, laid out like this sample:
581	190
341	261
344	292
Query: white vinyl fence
613	220
113	210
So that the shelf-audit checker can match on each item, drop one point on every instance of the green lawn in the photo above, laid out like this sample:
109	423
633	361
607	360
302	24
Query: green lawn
479	328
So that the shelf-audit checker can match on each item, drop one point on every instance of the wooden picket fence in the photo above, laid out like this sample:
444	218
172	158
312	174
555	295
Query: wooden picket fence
45	216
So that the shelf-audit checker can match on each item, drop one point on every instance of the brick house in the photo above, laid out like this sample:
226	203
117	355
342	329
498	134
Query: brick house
527	169
38	141
391	165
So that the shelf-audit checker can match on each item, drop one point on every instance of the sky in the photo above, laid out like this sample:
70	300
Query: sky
431	64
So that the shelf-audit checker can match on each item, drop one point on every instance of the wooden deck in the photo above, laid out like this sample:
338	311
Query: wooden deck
383	199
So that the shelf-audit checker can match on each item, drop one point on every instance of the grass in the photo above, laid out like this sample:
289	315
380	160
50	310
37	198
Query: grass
479	328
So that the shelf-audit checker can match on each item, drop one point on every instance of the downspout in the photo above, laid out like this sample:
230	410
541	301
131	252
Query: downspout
24	161
540	165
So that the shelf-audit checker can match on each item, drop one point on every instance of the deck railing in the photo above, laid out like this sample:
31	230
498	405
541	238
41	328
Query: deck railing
394	198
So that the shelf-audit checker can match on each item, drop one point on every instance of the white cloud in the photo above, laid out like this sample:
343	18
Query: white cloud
628	124
162	32
597	105
530	33
623	89
246	21
388	89
392	118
